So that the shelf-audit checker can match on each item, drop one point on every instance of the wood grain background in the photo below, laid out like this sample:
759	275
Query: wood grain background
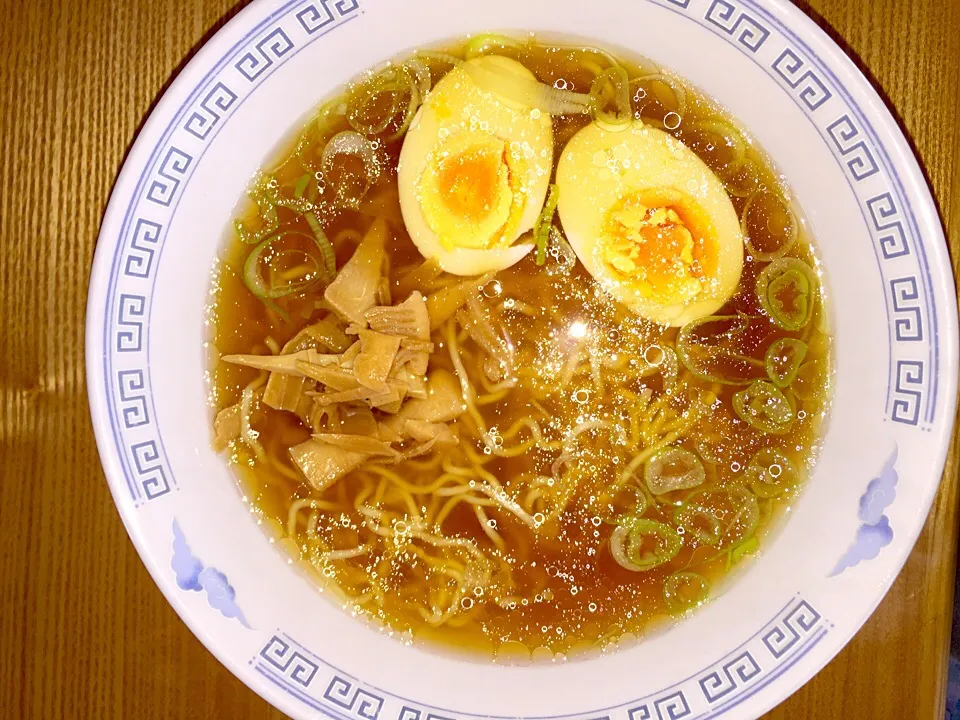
84	633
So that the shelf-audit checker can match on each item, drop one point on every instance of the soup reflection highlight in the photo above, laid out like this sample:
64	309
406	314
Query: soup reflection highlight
520	347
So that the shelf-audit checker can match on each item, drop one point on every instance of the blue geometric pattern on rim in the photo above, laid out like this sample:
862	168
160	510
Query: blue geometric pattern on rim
135	267
782	638
888	226
728	678
130	314
290	663
747	30
913	377
142	249
133	398
909	323
266	52
778	645
318	15
210	110
172	170
901	260
849	141
353	698
875	532
797	75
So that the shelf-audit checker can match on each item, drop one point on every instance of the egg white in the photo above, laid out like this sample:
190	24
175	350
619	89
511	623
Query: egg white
600	167
458	105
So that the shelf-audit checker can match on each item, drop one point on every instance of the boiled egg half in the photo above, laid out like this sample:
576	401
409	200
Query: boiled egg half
474	170
650	221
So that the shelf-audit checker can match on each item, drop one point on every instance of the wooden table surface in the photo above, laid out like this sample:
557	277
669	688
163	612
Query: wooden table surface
84	632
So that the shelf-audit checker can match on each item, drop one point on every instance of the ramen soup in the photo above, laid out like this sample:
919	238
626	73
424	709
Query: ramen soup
520	347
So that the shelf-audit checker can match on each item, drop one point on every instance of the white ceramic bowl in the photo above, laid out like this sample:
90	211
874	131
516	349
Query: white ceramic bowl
789	613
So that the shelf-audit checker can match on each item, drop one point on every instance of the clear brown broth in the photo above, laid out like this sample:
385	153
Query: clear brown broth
568	593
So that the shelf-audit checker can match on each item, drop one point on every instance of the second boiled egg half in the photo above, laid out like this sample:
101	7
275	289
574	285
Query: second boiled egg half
650	221
474	169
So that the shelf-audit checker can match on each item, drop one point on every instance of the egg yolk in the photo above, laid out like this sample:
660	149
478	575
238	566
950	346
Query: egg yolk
469	192
662	242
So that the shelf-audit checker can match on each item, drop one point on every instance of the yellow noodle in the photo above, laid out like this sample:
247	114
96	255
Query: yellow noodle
453	347
281	468
410	487
299	505
334	555
447	509
491	398
247	432
497	387
488	530
489	477
520	307
507	503
432	462
529	500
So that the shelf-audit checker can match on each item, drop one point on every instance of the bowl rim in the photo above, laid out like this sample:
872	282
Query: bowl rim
791	17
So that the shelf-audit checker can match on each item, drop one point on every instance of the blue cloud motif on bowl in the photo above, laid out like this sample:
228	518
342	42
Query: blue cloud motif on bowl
875	532
192	576
184	564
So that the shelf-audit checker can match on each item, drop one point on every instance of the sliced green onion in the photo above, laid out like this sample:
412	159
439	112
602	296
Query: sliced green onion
669	369
313	135
370	116
750	546
672	469
301	187
541	229
326	247
771	473
610	99
421	74
590	63
269	188
746	515
253	279
486	43
639	544
640	93
526	92
270	223
787	290
743	181
699	521
810	382
416	98
367	111
267	211
439	56
684	591
764	407
271	305
710	445
788	233
783	361
709	137
350	142
708	349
